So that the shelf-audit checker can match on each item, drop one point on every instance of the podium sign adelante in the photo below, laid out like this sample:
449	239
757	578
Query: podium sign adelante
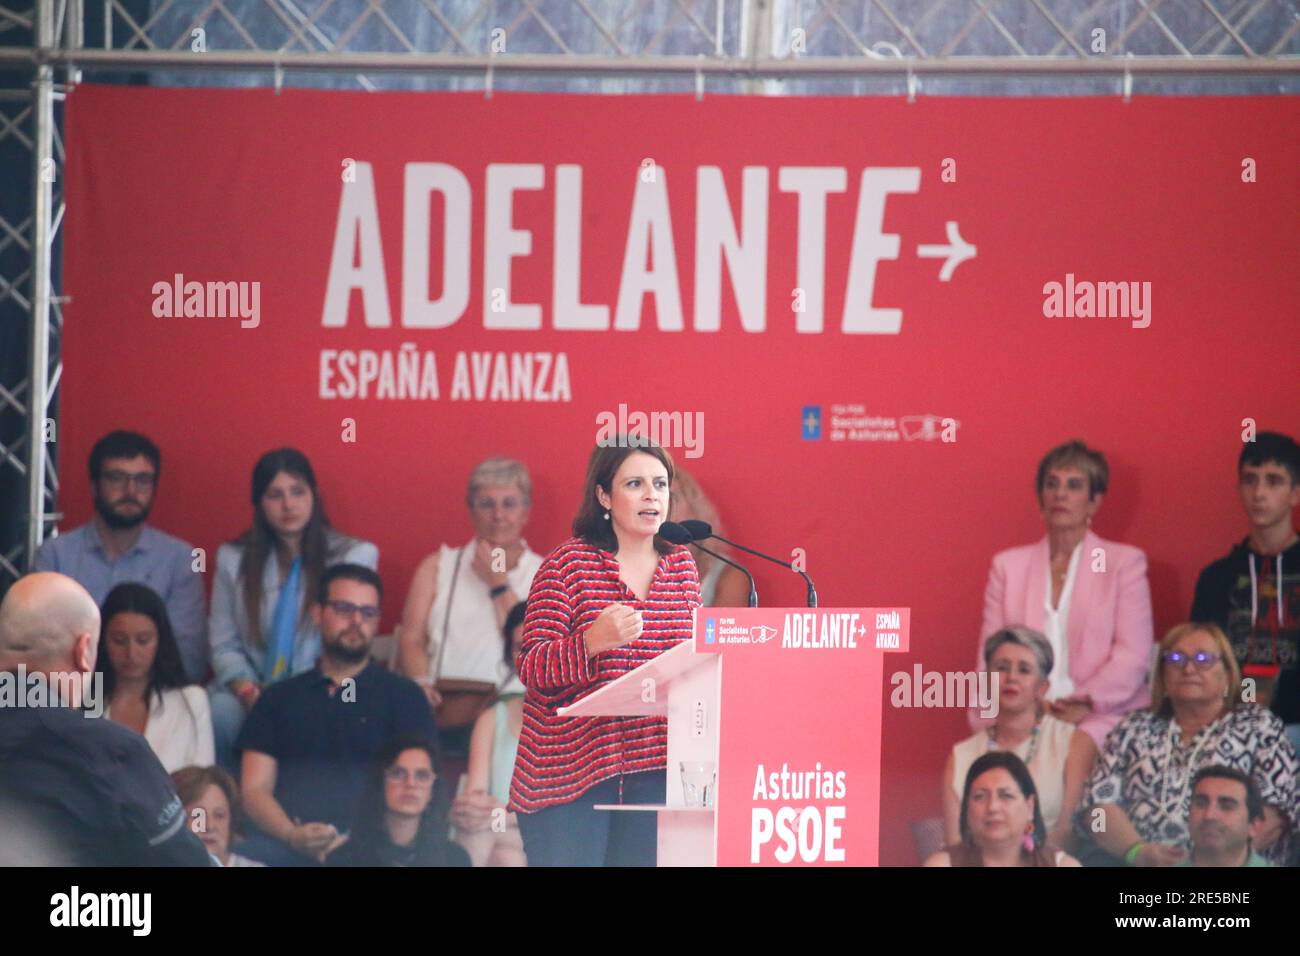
799	731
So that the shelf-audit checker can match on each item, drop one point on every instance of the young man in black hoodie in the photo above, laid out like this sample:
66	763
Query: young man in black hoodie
1254	593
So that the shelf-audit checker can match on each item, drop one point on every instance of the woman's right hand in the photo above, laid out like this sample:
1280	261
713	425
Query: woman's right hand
473	811
314	840
617	625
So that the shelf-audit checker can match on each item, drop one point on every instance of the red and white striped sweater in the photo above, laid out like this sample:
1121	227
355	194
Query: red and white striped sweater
561	757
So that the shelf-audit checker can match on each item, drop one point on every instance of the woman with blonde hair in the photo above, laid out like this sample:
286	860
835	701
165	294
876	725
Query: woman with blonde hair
721	585
1087	595
1201	715
449	640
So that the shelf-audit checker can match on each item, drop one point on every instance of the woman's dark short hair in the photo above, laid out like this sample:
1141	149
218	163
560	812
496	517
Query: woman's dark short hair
1004	760
167	672
590	525
1254	801
190	782
122	444
1075	454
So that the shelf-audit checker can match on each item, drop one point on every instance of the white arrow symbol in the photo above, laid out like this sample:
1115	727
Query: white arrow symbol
956	252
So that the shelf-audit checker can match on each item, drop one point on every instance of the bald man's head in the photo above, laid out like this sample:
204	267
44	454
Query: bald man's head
48	620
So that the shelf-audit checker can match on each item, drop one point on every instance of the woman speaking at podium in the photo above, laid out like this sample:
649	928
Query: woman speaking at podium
607	600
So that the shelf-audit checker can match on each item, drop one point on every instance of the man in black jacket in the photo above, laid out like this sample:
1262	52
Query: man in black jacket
75	789
1254	592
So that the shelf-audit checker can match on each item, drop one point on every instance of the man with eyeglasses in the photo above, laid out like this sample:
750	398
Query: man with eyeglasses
116	545
310	741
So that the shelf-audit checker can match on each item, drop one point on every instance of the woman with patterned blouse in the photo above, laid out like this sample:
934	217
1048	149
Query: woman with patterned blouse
604	602
1142	782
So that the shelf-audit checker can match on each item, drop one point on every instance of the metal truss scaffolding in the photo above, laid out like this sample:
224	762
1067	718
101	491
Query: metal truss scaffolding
768	47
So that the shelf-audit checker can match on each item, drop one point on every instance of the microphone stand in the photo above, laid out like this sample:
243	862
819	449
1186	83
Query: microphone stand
812	592
753	594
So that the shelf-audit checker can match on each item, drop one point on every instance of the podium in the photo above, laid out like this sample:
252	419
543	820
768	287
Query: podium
785	703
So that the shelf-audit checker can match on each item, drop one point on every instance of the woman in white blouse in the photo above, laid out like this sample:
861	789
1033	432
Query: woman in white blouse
144	681
449	641
1087	595
1058	755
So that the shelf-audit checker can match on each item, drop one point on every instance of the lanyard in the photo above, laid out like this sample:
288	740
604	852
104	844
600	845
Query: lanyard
1191	763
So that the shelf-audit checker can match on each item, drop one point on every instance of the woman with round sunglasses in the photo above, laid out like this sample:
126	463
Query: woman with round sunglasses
1202	714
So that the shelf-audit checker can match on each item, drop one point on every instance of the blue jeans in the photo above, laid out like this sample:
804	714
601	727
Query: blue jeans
574	834
227	719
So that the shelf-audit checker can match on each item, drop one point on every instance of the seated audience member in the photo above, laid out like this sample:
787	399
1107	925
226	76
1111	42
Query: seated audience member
116	545
488	833
1254	593
398	823
89	792
1087	595
261	627
144	682
449	641
1142	782
211	799
1058	755
1226	810
1001	823
310	740
721	585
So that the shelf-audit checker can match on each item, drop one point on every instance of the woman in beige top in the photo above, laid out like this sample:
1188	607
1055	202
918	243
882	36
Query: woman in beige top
450	634
1058	755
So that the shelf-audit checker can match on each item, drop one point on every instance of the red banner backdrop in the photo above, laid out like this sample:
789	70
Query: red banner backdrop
874	317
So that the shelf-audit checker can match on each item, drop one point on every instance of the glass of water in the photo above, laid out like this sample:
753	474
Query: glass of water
698	778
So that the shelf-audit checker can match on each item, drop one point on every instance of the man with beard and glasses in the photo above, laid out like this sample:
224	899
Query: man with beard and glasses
309	742
116	545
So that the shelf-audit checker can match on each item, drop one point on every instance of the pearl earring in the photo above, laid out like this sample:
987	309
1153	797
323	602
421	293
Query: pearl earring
606	515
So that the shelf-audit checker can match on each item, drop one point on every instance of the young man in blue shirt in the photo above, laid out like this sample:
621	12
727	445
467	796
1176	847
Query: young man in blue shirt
310	741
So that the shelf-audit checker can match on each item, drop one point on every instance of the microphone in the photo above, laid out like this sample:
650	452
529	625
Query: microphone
701	530
675	533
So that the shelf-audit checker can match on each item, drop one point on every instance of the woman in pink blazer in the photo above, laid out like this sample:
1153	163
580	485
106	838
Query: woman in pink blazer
1089	596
